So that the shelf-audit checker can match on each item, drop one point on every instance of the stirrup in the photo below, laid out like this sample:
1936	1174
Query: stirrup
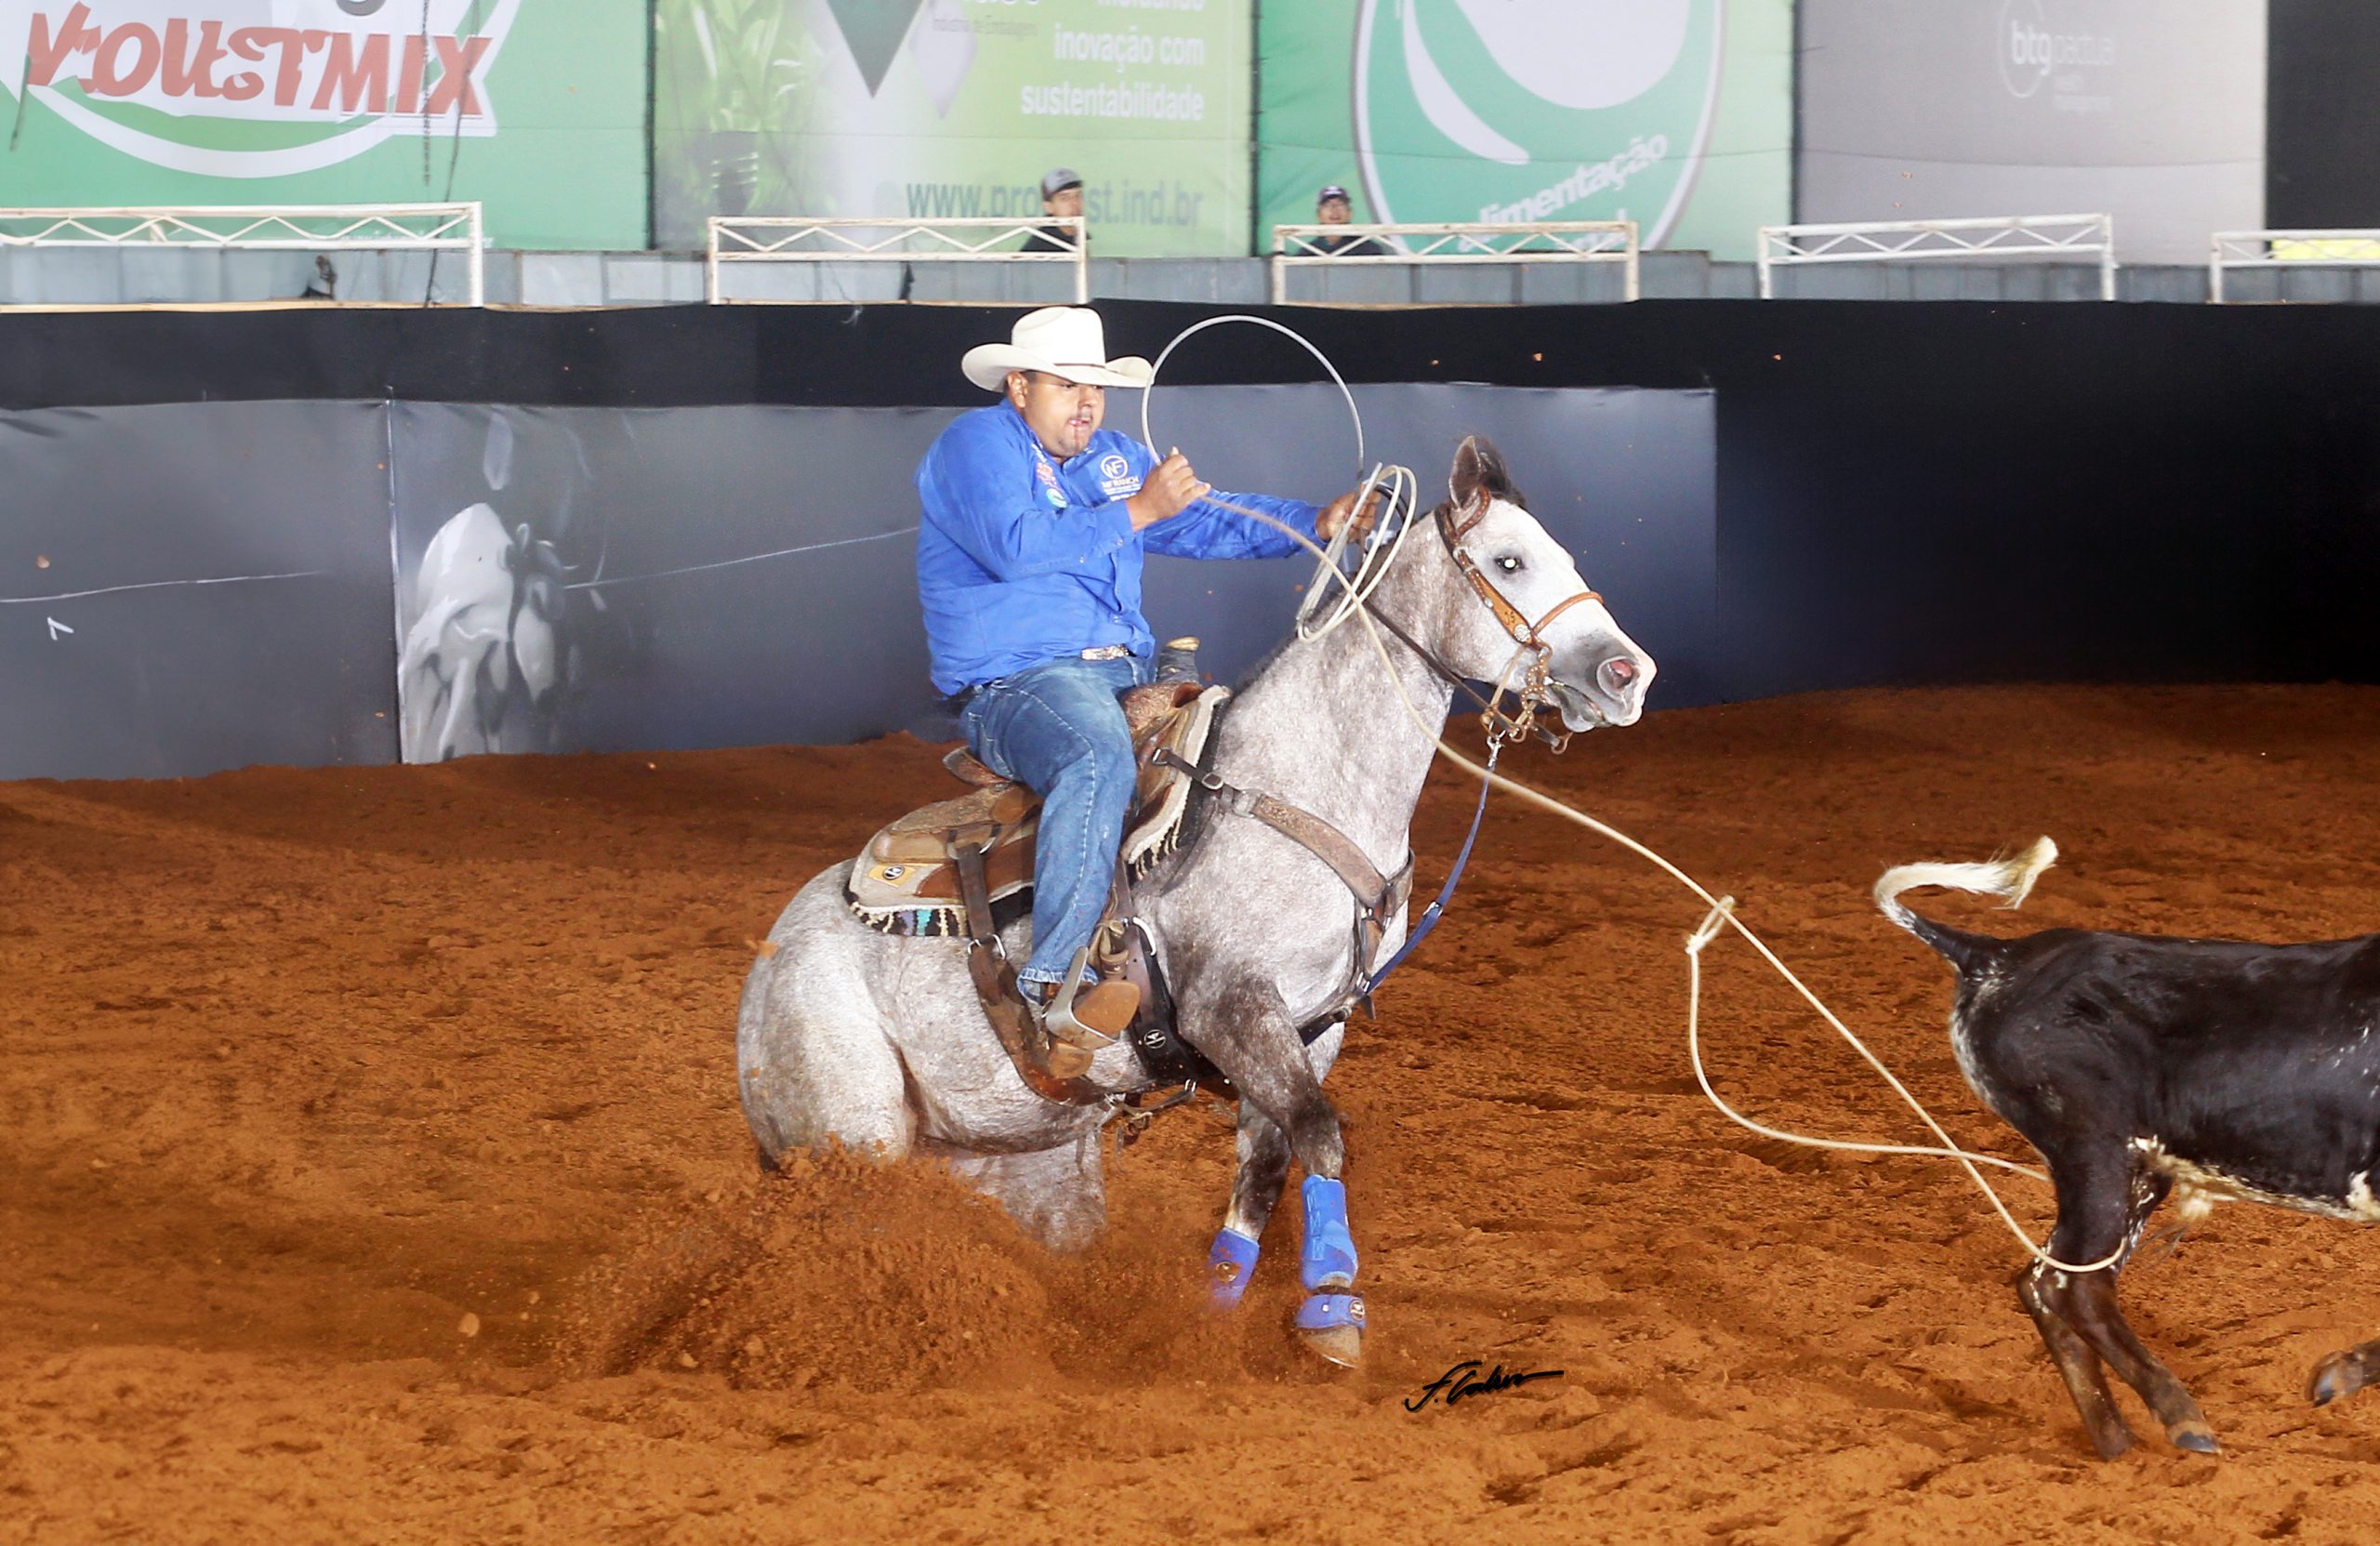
1090	1016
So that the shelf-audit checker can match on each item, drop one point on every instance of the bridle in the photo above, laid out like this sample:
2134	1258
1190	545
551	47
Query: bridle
1529	675
1534	657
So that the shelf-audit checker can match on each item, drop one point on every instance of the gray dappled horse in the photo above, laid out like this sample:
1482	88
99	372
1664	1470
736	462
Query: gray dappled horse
880	1041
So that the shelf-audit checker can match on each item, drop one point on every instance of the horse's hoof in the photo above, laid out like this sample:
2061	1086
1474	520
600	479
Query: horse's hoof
2195	1437
1229	1265
1333	1325
1342	1345
2338	1374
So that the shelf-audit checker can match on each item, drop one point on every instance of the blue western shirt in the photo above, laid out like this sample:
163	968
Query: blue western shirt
1023	559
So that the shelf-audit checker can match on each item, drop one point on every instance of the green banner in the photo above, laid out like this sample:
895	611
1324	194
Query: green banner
1677	114
535	108
942	108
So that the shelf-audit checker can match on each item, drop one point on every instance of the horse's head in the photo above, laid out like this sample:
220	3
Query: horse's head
1518	600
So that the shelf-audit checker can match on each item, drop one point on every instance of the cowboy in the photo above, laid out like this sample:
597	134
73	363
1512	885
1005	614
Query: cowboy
1029	552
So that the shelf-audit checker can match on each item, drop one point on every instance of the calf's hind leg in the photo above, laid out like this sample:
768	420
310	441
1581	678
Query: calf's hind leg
2078	1366
2102	1202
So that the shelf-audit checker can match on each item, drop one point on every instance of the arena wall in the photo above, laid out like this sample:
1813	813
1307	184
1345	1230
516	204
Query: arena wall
1779	497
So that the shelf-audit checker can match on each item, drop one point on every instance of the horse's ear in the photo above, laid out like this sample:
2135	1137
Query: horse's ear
1478	468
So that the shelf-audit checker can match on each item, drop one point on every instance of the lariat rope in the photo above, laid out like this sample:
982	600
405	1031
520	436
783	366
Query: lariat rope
1722	912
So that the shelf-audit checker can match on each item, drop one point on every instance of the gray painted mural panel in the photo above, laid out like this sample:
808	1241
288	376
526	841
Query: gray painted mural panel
193	586
1624	479
196	586
600	579
607	579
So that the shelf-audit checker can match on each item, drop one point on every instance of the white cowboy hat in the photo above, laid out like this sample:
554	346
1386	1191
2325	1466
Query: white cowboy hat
1058	340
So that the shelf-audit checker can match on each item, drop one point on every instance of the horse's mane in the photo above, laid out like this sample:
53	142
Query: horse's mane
1485	464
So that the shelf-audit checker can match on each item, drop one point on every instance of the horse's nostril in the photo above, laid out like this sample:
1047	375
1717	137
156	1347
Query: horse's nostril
1619	672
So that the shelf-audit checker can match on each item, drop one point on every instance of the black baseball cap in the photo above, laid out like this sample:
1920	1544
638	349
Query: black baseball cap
1329	192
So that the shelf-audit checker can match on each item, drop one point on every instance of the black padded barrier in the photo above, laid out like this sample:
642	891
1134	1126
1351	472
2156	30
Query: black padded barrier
2321	112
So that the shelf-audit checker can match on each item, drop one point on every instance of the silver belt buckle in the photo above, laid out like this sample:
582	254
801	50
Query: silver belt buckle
1108	652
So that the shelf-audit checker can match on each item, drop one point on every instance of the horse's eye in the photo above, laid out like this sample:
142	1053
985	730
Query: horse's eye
1509	563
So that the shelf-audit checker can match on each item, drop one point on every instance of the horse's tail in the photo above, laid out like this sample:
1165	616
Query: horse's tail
2007	878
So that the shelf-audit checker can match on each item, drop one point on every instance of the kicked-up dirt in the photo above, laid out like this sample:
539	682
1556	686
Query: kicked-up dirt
371	1169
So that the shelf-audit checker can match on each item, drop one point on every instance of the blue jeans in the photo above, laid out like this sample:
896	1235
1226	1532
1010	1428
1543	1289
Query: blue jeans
1059	729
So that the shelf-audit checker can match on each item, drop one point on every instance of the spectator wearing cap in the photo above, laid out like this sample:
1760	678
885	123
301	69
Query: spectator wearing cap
1332	209
1060	200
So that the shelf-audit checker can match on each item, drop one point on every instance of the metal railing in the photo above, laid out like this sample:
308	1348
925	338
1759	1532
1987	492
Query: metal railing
264	227
2091	236
967	239
1296	247
2289	249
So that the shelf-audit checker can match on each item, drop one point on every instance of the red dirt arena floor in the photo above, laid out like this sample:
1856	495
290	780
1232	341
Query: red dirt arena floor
371	1170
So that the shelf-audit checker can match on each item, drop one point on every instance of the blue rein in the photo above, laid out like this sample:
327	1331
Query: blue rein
1437	909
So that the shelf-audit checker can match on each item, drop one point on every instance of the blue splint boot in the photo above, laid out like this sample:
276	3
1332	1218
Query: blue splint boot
1229	1265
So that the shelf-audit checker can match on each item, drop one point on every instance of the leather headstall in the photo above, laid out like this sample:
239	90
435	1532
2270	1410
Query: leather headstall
1454	523
1453	526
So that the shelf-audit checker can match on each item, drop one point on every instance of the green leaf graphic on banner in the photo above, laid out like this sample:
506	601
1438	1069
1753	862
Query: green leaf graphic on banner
874	29
1535	110
953	109
1678	113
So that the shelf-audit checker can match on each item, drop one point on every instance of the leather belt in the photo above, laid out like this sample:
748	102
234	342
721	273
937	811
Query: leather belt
958	700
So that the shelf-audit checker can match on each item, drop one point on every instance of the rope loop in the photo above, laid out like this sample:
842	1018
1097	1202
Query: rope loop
1722	913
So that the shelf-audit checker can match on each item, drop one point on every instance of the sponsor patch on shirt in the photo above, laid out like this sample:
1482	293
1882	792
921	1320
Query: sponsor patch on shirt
1115	477
1049	489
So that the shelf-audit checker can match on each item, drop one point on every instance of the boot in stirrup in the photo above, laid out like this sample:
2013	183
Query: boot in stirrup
1080	1019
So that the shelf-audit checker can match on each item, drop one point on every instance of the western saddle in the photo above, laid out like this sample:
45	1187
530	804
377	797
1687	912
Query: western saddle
963	867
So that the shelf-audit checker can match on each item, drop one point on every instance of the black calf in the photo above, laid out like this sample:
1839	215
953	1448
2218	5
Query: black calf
2139	1065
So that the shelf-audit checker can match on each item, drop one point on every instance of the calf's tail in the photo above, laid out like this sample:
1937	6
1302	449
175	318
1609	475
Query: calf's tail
2008	879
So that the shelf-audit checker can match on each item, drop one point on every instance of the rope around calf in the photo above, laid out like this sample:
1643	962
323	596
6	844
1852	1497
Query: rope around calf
1721	914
